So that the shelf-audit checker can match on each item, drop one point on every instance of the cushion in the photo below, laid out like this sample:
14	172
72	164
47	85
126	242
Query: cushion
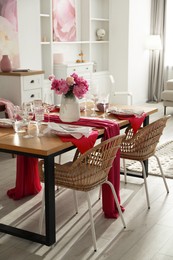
167	95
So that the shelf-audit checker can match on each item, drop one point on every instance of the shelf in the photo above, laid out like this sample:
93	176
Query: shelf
45	15
45	43
91	16
77	42
99	20
99	42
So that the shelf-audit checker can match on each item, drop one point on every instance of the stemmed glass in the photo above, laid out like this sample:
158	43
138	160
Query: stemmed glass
28	114
94	96
48	104
39	116
104	99
18	123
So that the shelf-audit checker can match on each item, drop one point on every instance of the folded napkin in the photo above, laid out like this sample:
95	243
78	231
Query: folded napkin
64	130
134	116
5	122
135	121
84	143
125	111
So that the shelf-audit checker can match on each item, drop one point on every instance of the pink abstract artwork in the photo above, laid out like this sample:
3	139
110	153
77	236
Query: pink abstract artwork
64	20
9	30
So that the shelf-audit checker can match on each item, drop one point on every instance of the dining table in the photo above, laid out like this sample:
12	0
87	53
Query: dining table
47	148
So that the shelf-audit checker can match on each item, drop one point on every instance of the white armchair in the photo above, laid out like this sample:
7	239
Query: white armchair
167	95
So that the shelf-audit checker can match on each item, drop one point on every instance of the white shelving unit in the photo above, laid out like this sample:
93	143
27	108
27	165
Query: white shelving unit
46	48
90	16
46	36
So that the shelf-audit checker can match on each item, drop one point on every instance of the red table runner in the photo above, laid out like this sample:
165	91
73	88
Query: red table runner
27	178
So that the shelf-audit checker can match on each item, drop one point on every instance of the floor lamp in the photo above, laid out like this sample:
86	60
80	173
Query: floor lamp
153	43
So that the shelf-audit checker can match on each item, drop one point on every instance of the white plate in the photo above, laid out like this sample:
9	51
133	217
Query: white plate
125	112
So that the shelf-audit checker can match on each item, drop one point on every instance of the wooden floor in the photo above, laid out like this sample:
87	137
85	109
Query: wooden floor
149	233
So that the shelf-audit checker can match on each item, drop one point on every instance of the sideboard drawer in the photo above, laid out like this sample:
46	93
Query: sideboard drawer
31	95
65	70
79	69
32	82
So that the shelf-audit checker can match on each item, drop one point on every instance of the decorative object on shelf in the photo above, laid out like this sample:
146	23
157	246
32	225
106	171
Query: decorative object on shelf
58	58
5	64
71	89
81	58
100	34
9	31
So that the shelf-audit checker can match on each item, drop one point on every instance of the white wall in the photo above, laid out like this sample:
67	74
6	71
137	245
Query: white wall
129	61
139	27
29	34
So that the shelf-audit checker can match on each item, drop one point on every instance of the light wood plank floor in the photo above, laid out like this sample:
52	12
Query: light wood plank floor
149	233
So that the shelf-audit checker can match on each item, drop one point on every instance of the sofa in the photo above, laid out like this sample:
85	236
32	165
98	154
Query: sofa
167	95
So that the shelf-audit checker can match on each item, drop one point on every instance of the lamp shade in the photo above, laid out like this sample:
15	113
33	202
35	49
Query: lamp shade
153	42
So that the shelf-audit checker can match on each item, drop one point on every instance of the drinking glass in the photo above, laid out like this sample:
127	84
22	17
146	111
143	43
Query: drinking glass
48	104
39	116
28	114
93	92
18	123
94	98
104	99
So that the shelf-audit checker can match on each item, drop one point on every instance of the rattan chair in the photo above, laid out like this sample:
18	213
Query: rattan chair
87	172
142	145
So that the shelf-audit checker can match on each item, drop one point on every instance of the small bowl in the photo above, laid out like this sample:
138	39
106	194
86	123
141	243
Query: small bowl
100	106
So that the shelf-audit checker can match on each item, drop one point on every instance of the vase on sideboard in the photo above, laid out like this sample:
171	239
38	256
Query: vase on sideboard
5	64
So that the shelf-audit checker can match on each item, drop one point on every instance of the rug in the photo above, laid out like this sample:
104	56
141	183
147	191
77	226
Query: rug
165	154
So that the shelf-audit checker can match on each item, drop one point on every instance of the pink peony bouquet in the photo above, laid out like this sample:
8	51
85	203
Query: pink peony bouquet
72	86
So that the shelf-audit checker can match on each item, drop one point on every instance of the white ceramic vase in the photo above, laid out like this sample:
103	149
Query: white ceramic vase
69	109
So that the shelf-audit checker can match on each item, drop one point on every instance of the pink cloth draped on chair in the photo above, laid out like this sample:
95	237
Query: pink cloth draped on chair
9	107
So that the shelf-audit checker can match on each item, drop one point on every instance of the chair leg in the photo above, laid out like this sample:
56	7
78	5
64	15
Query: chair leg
116	201
161	170
92	222
100	192
125	172
75	201
164	110
145	182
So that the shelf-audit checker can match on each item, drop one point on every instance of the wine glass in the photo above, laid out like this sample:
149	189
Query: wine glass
48	104
39	116
18	123
94	95
28	114
104	99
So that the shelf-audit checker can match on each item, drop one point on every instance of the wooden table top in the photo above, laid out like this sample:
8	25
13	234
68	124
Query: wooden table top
49	144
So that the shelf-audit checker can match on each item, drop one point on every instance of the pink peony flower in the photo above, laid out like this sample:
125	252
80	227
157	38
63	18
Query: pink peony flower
72	86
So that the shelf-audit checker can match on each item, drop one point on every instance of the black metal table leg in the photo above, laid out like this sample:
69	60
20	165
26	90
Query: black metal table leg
49	200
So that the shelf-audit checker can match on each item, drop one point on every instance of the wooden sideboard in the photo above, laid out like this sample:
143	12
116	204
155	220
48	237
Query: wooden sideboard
19	87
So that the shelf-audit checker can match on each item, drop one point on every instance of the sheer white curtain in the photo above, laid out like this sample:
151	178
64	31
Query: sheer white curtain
156	75
168	60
